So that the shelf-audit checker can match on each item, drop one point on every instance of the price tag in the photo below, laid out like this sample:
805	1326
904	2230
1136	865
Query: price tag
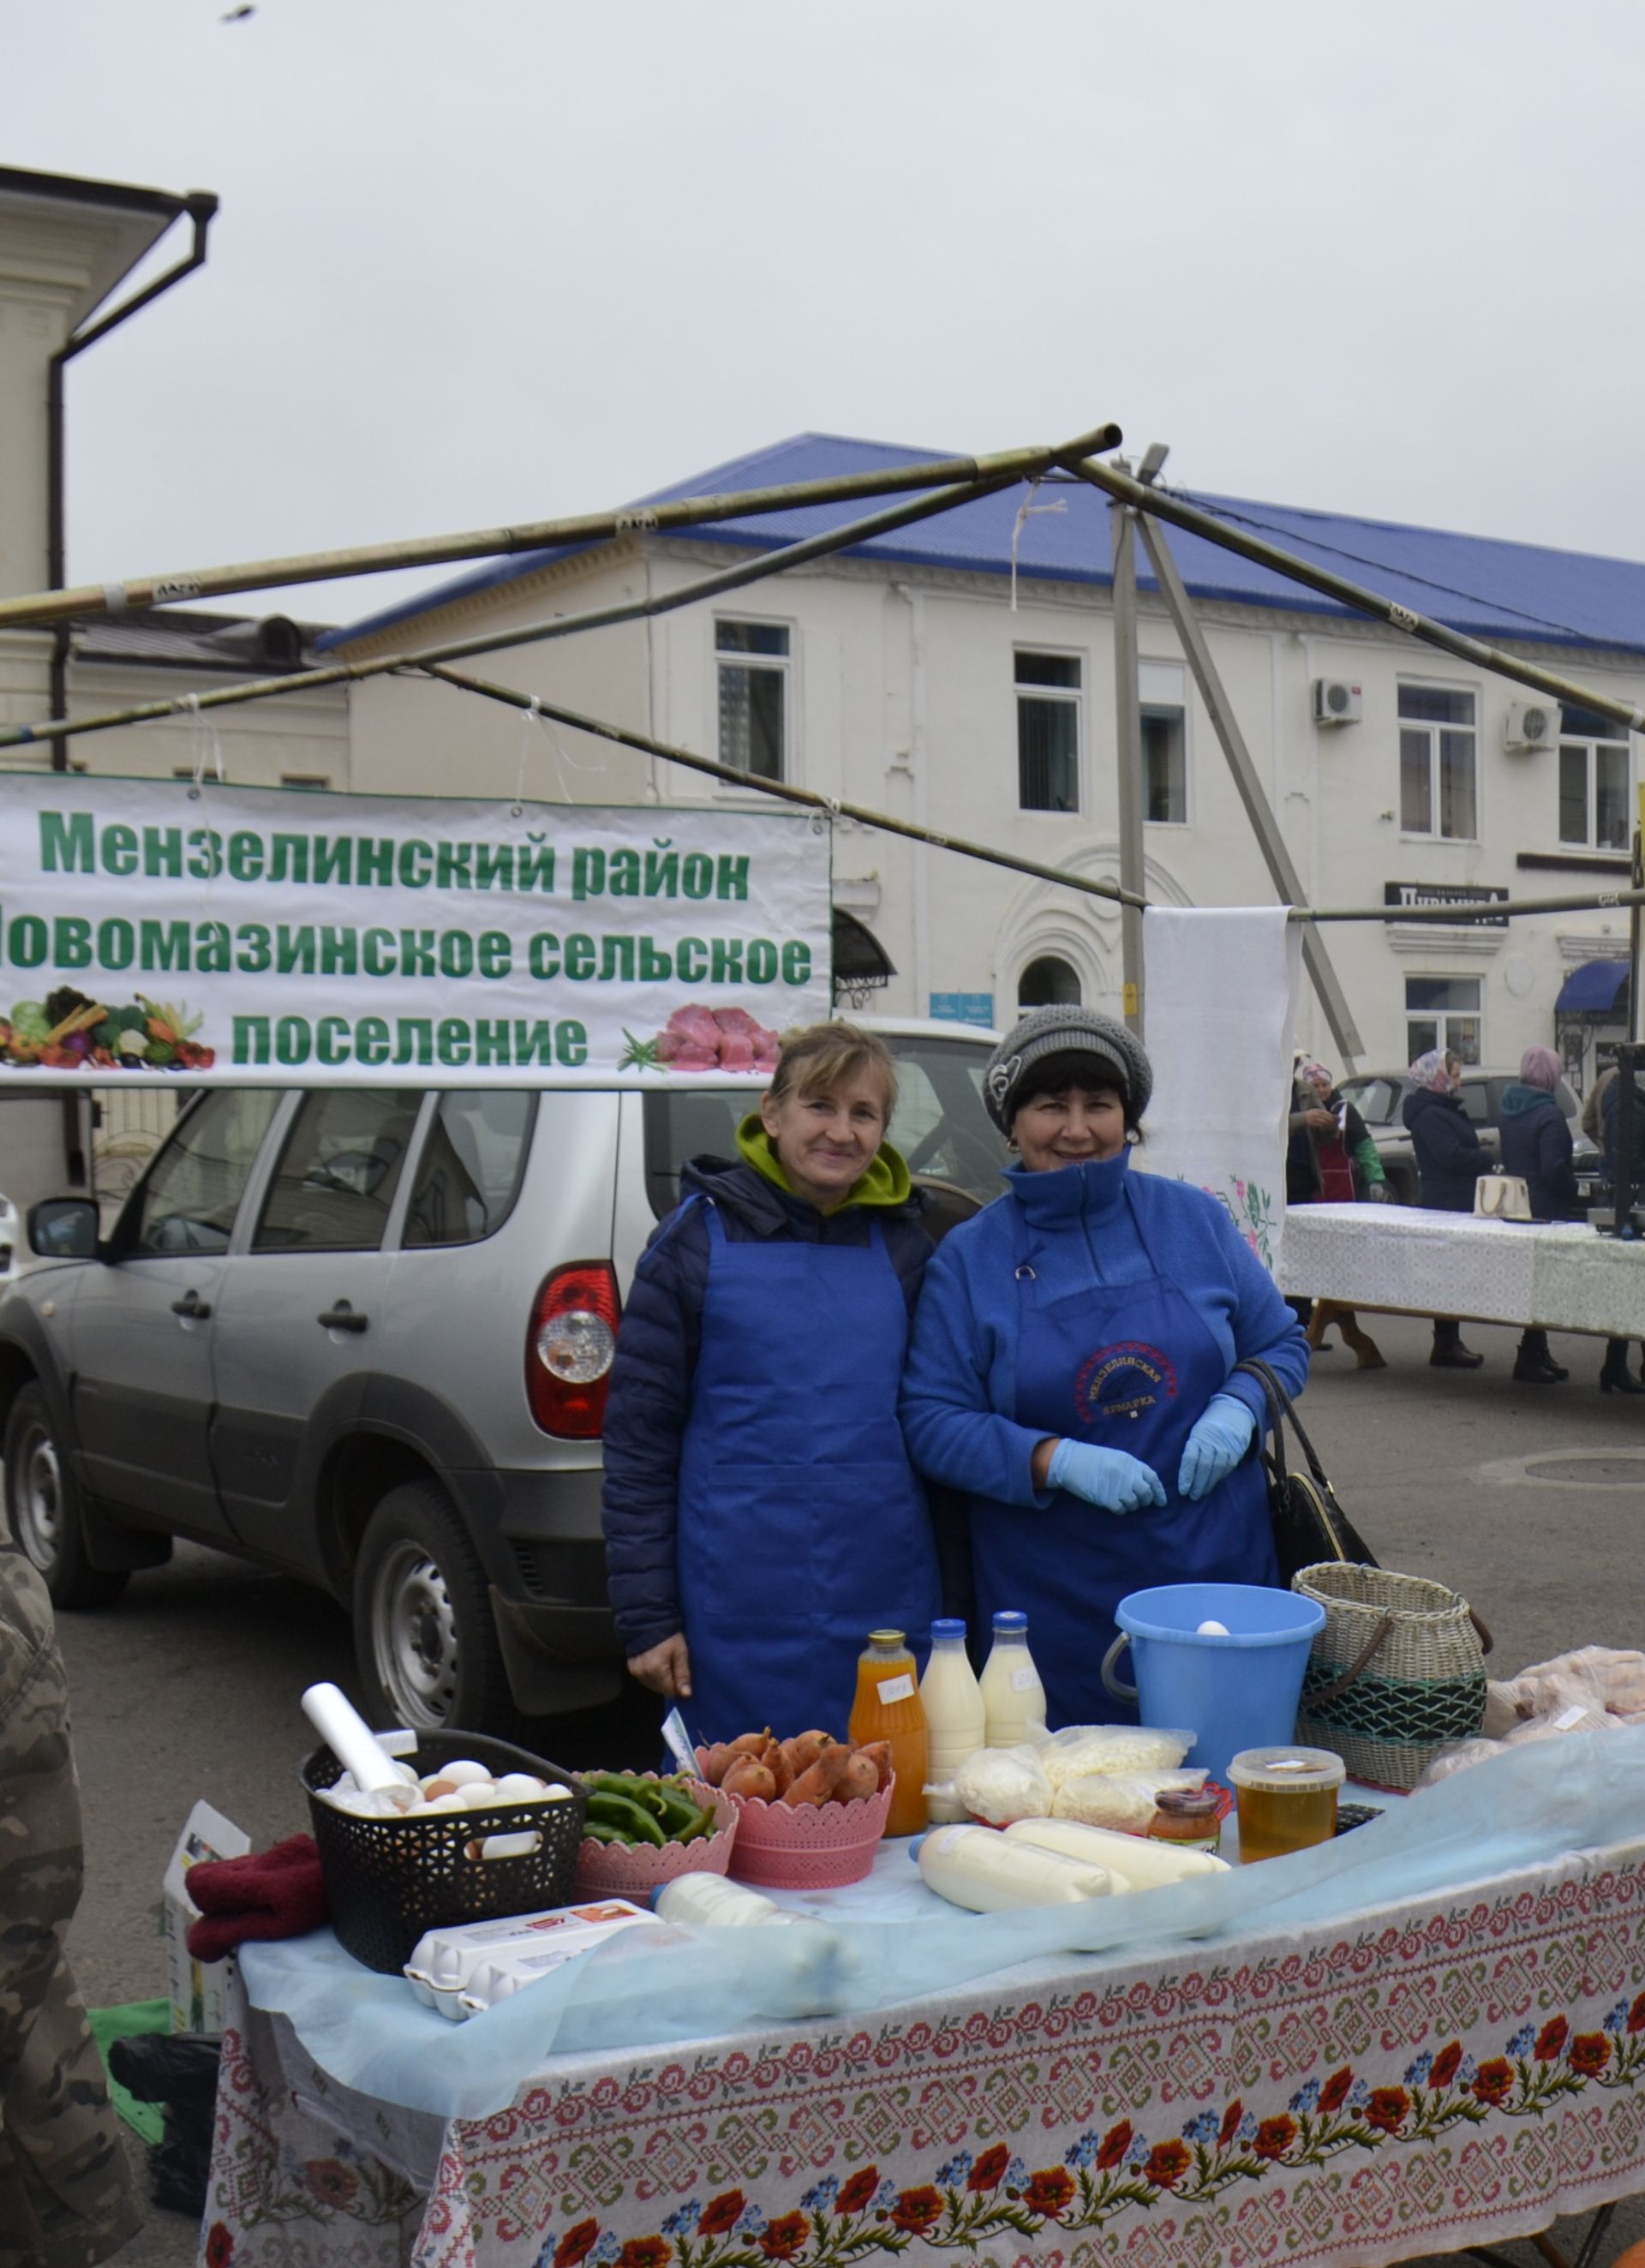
1567	1717
1023	1680
896	1689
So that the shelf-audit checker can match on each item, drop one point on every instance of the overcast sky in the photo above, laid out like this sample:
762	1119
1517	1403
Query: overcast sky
491	259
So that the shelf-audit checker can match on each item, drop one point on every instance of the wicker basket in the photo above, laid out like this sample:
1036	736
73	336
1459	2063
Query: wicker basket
1397	1672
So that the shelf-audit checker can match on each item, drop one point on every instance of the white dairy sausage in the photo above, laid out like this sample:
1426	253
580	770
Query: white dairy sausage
977	1868
1135	1861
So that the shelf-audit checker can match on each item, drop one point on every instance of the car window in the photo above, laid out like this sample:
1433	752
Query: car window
1376	1099
338	1171
187	1200
940	1124
470	1167
1476	1102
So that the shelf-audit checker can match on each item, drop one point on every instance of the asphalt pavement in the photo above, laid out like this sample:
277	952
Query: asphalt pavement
1528	1499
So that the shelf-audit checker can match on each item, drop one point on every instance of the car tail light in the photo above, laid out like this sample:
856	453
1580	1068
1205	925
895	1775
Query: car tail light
569	1349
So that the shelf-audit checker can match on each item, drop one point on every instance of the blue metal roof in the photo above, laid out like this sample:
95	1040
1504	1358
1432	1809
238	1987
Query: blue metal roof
1598	987
1486	588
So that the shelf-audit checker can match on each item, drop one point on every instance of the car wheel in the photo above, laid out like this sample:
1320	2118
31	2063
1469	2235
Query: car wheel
424	1633
42	1504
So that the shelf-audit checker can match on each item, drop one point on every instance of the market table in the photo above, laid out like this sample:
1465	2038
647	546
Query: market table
1448	2070
1561	1276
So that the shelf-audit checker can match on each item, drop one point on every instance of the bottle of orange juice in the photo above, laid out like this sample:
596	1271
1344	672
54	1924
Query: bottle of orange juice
887	1708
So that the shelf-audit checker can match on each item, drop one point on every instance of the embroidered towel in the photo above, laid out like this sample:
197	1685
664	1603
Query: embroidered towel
1220	999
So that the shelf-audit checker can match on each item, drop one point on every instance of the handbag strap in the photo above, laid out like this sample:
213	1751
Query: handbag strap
1280	1401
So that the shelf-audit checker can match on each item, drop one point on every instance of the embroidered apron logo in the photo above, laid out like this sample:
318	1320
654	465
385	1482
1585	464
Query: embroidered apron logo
1123	1380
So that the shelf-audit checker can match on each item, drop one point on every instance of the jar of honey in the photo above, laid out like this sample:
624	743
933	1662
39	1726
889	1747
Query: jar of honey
887	1707
1287	1799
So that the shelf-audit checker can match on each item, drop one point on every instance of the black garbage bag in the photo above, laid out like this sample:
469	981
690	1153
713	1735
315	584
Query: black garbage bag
179	2070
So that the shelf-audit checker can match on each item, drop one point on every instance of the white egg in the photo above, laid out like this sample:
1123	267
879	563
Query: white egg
519	1787
462	1772
1213	1629
475	1794
452	1802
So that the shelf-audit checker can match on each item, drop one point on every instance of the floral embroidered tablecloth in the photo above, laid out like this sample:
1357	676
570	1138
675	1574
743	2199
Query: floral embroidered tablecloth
1411	2081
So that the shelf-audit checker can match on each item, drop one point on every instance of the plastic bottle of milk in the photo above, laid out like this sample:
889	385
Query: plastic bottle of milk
1013	1695
956	1719
703	1897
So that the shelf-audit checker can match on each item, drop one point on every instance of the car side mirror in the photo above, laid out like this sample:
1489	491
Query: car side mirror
64	1228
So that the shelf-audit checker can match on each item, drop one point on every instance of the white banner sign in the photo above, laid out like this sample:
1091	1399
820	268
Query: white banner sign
241	936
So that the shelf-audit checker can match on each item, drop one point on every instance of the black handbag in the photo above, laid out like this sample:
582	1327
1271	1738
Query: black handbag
1308	1524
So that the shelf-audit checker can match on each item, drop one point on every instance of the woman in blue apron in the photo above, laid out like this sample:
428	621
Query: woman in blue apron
1073	1363
759	1510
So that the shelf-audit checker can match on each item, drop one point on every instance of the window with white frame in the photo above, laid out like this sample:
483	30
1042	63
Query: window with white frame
1164	743
1443	1012
753	662
1594	767
1047	731
1438	762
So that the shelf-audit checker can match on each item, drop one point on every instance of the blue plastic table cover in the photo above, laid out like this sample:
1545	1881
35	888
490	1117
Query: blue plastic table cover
1534	1804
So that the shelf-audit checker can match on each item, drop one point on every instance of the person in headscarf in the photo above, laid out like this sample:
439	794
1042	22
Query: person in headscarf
1345	1169
1449	1158
1537	1145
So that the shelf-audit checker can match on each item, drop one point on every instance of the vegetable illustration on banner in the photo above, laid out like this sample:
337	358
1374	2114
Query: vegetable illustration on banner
150	930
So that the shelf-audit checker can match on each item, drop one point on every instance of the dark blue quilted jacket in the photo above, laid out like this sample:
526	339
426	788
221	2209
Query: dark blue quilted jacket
656	1360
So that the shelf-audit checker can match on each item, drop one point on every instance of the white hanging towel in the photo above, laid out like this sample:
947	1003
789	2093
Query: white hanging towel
1220	990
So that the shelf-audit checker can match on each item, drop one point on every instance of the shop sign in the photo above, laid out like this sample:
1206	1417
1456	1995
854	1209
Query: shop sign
1448	894
963	1008
150	931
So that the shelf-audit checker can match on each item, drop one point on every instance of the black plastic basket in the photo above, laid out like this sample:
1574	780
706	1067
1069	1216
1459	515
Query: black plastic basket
388	1880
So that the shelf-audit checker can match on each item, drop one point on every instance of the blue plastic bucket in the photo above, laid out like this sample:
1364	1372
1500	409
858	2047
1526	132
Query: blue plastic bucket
1235	1692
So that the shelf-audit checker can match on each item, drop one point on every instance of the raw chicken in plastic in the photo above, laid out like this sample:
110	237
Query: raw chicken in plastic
1581	1692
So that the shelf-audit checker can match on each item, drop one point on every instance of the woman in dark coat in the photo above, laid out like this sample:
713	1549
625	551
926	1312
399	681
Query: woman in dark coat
759	1510
1537	1146
1449	1158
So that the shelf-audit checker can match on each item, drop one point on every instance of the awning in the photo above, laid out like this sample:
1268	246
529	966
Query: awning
1595	988
859	958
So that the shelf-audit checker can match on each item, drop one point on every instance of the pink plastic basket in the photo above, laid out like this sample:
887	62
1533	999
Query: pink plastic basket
618	1870
807	1847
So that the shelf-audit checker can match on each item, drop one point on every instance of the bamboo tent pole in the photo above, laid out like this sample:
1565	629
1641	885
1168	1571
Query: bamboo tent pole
1126	490
1496	910
90	599
925	506
833	807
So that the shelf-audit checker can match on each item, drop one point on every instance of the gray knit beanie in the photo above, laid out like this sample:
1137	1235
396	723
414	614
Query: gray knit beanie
1115	1056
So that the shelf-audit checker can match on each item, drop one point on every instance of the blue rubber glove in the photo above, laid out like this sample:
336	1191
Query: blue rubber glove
1215	1446
1106	1478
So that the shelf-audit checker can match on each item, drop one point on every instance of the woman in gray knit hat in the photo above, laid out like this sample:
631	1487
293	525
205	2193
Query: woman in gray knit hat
1072	1365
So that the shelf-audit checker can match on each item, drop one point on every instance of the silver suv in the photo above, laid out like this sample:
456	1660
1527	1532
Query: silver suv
363	1336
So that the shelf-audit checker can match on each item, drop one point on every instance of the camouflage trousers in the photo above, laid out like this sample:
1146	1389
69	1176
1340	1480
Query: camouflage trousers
65	2186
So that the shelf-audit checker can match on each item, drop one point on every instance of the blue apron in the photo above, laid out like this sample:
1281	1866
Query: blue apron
1128	1367
801	1524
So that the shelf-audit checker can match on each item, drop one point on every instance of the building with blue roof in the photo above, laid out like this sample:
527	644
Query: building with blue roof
959	671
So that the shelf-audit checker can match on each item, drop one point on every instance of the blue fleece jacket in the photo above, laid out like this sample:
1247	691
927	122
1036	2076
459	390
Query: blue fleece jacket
959	1385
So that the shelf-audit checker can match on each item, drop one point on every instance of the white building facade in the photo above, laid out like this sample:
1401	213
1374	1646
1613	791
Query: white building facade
916	687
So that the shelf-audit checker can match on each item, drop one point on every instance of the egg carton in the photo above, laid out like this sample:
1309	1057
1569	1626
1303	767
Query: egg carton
465	1969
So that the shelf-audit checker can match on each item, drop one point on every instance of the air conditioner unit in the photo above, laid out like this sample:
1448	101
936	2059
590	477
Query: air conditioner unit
1336	702
1533	723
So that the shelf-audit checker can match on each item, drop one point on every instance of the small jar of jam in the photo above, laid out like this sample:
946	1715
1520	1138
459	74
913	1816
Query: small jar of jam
1186	1817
